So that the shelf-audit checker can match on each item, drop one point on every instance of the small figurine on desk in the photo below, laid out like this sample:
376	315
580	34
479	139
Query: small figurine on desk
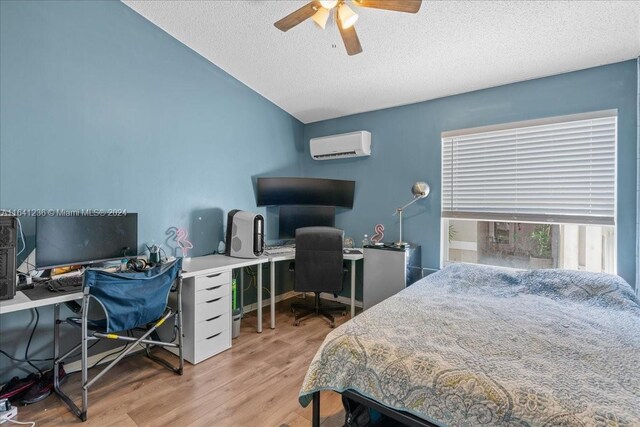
348	242
376	239
180	237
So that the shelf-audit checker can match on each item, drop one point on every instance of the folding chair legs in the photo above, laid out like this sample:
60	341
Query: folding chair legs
122	355
80	413
178	320
161	361
86	383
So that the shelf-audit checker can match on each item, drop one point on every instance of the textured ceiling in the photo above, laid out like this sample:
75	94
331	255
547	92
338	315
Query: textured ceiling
448	47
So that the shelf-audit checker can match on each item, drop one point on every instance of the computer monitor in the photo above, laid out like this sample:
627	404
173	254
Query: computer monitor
294	217
276	191
74	240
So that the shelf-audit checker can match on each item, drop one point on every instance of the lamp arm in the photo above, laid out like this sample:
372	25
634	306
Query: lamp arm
415	199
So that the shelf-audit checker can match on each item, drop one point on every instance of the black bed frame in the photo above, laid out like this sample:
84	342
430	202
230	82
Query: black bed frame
402	417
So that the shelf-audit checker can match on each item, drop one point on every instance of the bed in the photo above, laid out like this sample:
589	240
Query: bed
474	345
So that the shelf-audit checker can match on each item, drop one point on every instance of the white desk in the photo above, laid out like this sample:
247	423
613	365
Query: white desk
207	277
197	266
213	264
203	276
191	267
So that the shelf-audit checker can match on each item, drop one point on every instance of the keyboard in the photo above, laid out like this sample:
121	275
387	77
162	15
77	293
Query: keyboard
279	250
65	284
283	250
350	251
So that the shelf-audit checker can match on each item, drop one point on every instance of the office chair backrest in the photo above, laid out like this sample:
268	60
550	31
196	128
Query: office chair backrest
319	259
132	299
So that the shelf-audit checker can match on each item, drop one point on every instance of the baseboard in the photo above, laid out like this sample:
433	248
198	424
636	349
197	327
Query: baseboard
253	307
291	294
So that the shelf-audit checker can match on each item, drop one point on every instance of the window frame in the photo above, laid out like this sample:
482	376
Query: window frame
444	221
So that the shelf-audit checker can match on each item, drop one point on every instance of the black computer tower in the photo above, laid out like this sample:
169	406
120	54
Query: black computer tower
8	239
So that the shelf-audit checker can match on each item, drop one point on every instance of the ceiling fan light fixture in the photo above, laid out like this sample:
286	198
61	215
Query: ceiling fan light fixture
321	17
346	16
328	4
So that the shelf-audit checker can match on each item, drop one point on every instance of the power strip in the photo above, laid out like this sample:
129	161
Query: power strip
7	415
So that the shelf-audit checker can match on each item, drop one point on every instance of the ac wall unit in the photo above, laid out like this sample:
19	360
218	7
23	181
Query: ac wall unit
353	144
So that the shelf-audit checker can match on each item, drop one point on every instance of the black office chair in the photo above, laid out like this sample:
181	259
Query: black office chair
318	268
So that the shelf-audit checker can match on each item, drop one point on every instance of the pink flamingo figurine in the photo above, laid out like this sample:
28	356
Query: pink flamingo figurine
377	238
180	237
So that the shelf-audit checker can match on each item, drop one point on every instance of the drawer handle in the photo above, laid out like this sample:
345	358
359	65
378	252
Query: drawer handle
211	276
213	336
215	287
214	318
214	300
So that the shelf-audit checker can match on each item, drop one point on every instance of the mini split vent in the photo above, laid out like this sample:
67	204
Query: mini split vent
353	144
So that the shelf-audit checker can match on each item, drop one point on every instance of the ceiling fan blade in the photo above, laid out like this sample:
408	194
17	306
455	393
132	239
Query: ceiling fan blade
408	6
350	39
300	15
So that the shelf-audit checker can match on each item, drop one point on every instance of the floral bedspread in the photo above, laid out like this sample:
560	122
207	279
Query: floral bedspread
474	345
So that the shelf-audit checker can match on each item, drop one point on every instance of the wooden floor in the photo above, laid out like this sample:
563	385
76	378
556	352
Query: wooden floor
255	383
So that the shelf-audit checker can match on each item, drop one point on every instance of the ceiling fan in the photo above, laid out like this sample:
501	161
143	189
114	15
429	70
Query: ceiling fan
345	17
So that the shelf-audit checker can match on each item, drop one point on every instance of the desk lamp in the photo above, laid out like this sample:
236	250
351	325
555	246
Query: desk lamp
420	190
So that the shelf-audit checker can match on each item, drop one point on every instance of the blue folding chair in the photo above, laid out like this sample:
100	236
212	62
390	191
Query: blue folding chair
130	302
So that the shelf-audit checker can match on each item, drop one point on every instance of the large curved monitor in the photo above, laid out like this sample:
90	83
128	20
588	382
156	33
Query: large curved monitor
304	191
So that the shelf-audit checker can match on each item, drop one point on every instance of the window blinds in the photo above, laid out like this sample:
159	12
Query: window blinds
559	171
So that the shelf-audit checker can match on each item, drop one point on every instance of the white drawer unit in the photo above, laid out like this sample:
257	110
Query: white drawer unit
212	280
211	327
213	293
206	312
212	345
212	308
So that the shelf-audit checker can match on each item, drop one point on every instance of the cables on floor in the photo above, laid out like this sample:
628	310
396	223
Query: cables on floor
25	423
26	351
118	352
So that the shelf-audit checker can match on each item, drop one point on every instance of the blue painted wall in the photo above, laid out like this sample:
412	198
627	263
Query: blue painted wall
102	109
406	148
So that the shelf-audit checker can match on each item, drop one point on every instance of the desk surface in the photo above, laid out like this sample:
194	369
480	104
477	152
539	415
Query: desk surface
292	255
22	302
212	264
192	267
